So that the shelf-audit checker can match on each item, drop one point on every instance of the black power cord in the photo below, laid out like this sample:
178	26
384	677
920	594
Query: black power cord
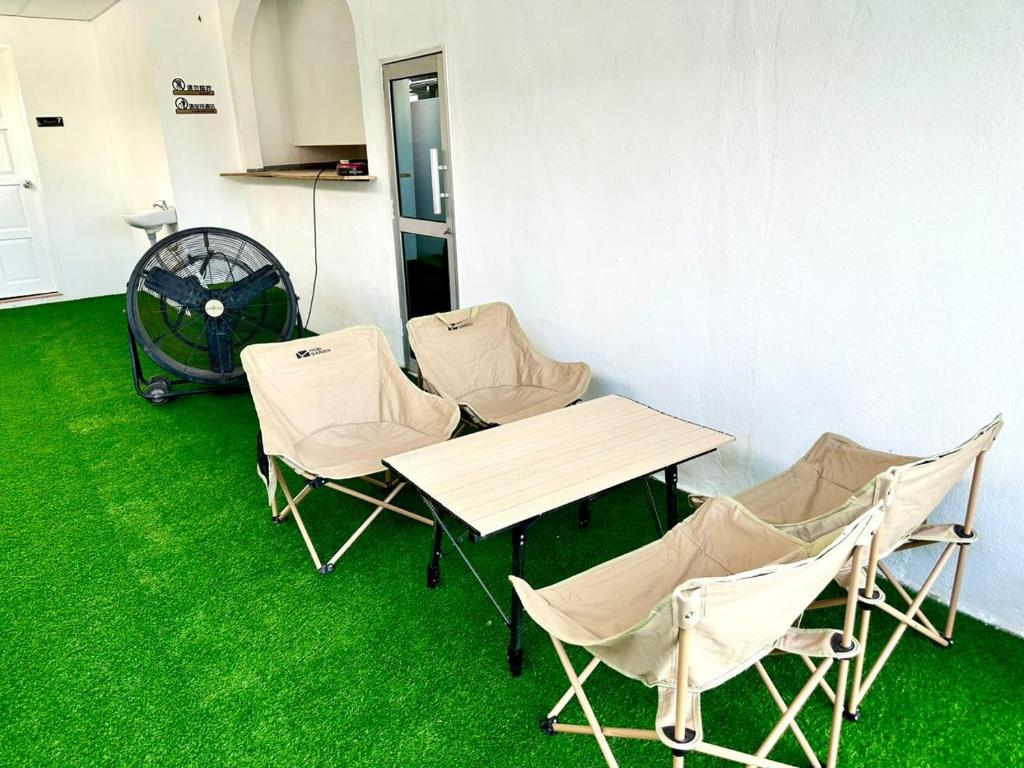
316	256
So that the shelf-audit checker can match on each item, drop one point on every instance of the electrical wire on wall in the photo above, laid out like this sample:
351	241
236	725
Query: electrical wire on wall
316	256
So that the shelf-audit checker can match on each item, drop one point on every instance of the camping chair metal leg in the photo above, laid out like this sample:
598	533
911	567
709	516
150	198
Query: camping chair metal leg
852	711
569	694
588	711
920	624
842	679
781	704
898	633
280	516
305	538
682	687
907	598
329	565
371	500
314	482
293	506
826	602
954	597
961	560
793	709
736	756
837	705
825	687
910	623
292	503
515	647
671	487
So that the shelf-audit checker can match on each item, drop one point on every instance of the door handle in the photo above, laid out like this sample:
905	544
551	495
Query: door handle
27	184
435	180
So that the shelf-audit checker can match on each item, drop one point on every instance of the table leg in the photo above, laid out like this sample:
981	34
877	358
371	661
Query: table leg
585	513
671	485
434	568
515	646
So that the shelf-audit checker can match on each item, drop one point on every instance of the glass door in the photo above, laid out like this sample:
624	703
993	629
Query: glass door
421	187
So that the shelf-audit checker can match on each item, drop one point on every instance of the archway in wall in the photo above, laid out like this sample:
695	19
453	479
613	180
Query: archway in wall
296	80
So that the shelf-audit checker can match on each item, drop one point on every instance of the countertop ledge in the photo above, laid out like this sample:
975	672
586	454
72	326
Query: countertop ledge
297	175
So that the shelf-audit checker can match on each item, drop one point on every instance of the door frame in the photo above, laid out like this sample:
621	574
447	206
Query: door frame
42	237
414	226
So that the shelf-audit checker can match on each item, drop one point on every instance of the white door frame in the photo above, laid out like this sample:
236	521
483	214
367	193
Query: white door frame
396	66
23	155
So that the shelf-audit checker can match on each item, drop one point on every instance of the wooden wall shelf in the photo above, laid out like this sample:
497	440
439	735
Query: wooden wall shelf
304	175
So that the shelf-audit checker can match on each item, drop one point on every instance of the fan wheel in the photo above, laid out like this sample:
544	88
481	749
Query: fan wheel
199	296
158	390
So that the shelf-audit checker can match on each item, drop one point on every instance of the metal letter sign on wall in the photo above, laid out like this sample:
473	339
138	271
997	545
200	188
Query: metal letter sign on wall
183	106
180	88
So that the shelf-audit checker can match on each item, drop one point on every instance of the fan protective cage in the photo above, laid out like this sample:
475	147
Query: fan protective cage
198	296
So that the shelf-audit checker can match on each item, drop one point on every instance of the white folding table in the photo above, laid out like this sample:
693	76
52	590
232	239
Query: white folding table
508	476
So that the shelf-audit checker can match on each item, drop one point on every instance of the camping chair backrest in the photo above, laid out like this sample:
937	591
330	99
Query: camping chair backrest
828	476
302	386
747	582
466	350
912	488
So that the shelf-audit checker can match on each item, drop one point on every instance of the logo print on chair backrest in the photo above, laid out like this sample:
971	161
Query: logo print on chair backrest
311	352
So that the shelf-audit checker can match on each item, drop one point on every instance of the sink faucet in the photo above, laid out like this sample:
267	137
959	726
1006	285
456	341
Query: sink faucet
161	204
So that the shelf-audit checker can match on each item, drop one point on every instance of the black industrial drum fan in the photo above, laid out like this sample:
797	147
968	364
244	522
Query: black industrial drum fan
195	300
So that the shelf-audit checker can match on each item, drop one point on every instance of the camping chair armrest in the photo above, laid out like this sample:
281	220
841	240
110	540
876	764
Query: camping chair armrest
946	533
819	643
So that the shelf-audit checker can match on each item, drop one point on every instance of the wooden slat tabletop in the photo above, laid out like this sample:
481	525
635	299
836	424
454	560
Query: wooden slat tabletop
498	477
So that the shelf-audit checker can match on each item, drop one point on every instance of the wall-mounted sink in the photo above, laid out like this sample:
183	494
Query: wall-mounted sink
152	219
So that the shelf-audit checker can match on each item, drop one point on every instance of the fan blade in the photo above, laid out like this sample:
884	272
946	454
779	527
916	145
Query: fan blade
185	291
218	339
239	295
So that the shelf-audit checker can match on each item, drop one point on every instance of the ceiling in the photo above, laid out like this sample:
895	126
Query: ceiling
76	10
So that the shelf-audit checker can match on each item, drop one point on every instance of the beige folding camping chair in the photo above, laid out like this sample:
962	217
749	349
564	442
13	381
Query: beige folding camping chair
480	358
685	614
331	407
835	478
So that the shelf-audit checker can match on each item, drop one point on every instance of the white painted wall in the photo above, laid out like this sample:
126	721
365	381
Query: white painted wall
305	81
773	218
271	93
137	136
198	147
357	282
79	176
319	55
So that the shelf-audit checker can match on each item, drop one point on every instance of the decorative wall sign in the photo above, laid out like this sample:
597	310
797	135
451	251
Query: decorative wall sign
182	106
50	122
180	88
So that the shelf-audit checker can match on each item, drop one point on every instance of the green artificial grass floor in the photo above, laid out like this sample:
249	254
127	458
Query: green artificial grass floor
151	614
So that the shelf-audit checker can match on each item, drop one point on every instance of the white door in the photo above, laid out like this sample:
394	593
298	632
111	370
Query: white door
25	267
421	188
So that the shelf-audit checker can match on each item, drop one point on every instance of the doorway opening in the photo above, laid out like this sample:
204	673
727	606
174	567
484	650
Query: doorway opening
421	189
25	265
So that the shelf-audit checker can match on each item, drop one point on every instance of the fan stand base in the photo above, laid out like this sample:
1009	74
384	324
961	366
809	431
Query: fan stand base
159	389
